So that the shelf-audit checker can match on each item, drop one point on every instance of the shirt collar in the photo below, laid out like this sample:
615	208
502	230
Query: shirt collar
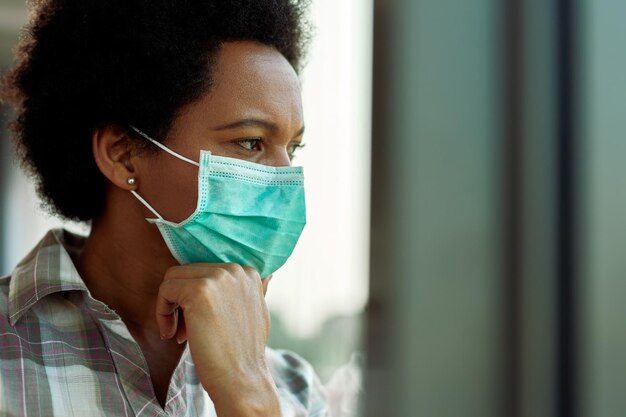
47	269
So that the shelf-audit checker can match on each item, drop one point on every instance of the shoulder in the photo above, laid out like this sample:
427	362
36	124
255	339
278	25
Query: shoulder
10	355
297	383
11	338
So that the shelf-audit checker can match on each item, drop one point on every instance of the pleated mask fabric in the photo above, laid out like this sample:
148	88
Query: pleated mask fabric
247	213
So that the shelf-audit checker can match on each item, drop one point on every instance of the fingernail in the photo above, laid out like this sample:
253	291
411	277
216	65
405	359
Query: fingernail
180	341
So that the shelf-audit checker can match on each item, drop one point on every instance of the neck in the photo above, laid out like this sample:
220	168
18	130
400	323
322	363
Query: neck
124	262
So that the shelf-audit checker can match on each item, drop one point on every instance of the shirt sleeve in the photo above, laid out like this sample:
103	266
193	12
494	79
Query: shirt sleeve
299	388
344	388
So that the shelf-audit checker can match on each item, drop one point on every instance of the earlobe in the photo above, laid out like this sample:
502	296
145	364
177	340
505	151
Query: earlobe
113	151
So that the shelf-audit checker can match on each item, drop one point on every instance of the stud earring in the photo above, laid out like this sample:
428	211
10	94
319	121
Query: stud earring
131	181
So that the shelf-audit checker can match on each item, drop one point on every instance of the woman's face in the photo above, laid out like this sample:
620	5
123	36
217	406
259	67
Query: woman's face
253	112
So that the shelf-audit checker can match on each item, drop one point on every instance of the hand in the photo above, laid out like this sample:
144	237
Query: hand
226	322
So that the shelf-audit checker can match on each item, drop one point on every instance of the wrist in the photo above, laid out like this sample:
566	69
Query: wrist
249	396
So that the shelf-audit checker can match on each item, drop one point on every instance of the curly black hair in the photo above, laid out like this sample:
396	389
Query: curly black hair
85	64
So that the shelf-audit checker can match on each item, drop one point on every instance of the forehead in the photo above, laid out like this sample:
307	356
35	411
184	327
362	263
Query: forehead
252	78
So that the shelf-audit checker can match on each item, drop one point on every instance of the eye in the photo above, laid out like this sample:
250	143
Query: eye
293	148
250	144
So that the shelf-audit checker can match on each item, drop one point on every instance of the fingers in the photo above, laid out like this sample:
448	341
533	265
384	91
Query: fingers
167	308
188	286
167	318
220	310
181	332
206	270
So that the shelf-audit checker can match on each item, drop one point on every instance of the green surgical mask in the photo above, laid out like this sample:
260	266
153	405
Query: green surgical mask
247	213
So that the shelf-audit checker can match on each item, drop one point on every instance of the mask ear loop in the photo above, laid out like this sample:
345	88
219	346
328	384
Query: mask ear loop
168	150
165	148
145	203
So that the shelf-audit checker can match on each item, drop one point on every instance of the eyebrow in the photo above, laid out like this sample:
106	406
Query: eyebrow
253	122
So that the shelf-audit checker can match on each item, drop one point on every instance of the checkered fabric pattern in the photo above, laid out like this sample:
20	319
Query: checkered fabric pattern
64	353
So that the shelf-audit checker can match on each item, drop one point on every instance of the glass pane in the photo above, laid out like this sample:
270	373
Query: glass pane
603	172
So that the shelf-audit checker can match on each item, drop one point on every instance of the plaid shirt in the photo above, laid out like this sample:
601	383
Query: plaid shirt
64	353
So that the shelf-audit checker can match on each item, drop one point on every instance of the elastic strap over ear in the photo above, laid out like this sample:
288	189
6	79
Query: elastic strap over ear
165	148
145	203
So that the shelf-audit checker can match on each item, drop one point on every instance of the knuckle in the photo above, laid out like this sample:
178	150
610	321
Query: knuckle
165	285
233	268
251	272
167	289
221	274
171	272
202	286
201	290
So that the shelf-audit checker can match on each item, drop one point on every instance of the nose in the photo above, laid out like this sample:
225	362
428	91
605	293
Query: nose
277	156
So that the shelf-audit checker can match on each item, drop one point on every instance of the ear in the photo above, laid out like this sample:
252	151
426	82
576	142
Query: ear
113	152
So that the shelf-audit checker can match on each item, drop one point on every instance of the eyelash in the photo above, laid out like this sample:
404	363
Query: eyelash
249	140
295	148
256	141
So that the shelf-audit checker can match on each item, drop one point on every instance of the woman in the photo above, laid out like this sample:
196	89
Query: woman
186	114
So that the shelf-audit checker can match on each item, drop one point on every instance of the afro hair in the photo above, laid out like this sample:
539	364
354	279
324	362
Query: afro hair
84	64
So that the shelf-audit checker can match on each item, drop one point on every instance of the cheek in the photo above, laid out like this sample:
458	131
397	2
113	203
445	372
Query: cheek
172	189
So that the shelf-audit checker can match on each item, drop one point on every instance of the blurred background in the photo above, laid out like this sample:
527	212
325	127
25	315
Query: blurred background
466	203
317	298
